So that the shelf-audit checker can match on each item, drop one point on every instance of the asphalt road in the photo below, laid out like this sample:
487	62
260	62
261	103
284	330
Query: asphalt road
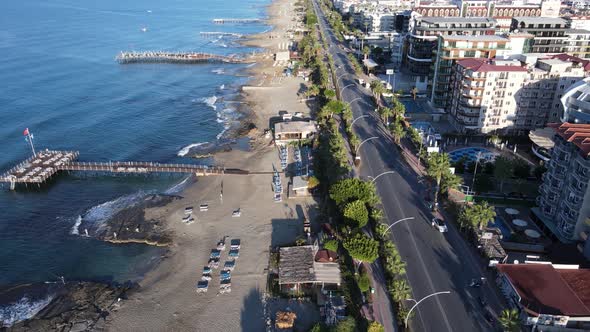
435	261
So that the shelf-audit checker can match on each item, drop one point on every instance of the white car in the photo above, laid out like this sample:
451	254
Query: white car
440	225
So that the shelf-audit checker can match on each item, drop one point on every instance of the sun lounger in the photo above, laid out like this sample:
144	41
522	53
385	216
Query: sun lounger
234	254
206	277
188	210
225	287
236	213
215	253
221	245
204	207
225	275
229	265
213	263
202	286
235	244
206	270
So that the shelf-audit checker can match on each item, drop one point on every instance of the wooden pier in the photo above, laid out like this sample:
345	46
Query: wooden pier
235	20
38	169
175	57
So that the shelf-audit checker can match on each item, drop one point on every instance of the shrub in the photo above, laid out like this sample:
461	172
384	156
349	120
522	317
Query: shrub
362	247
356	213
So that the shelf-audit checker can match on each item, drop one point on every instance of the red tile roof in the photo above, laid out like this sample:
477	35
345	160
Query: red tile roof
546	290
571	58
484	65
326	256
578	134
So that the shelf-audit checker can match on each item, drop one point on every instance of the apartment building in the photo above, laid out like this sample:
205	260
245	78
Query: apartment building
578	43
576	103
550	33
564	196
453	48
511	96
483	94
423	40
456	47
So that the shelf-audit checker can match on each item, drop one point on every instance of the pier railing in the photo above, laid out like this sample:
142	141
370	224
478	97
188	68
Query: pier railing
38	169
235	20
142	167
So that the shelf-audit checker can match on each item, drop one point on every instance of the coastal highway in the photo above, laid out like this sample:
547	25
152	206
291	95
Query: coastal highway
435	261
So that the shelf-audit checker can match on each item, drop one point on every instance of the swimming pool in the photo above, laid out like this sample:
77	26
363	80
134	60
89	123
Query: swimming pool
501	225
470	154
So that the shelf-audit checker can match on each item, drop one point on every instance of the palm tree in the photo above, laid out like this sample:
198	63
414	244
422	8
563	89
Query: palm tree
397	131
414	92
385	113
438	166
366	51
377	88
312	90
510	320
399	110
400	290
478	215
450	181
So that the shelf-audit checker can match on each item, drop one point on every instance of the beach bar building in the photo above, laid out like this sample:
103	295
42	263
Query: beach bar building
293	131
299	270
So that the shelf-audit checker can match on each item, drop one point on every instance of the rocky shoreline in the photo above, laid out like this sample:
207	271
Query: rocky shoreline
75	306
130	225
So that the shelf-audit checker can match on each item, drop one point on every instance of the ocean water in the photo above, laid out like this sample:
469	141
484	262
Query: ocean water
59	78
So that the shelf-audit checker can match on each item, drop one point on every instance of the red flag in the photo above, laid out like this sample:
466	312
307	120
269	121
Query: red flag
26	132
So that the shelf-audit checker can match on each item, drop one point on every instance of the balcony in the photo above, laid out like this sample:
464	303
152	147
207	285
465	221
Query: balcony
468	112
578	175
573	206
575	188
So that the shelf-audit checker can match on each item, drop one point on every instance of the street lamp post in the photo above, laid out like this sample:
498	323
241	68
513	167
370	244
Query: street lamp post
418	302
360	117
339	77
349	85
358	147
477	157
404	219
355	99
375	178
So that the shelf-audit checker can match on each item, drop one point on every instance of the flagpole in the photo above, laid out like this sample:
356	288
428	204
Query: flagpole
30	137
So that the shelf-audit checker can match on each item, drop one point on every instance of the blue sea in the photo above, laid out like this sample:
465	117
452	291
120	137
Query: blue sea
59	78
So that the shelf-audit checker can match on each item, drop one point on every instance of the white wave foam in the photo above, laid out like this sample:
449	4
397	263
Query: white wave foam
75	229
218	71
183	152
22	310
221	87
178	187
98	214
210	101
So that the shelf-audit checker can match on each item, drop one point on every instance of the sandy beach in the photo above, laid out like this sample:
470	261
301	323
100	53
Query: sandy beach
167	300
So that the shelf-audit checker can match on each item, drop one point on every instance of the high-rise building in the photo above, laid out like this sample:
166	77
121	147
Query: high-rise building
550	33
511	96
456	47
423	40
564	195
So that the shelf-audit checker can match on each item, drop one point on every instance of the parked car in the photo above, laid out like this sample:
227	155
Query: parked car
440	225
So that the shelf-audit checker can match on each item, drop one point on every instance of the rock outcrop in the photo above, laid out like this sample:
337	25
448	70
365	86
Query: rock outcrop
76	306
